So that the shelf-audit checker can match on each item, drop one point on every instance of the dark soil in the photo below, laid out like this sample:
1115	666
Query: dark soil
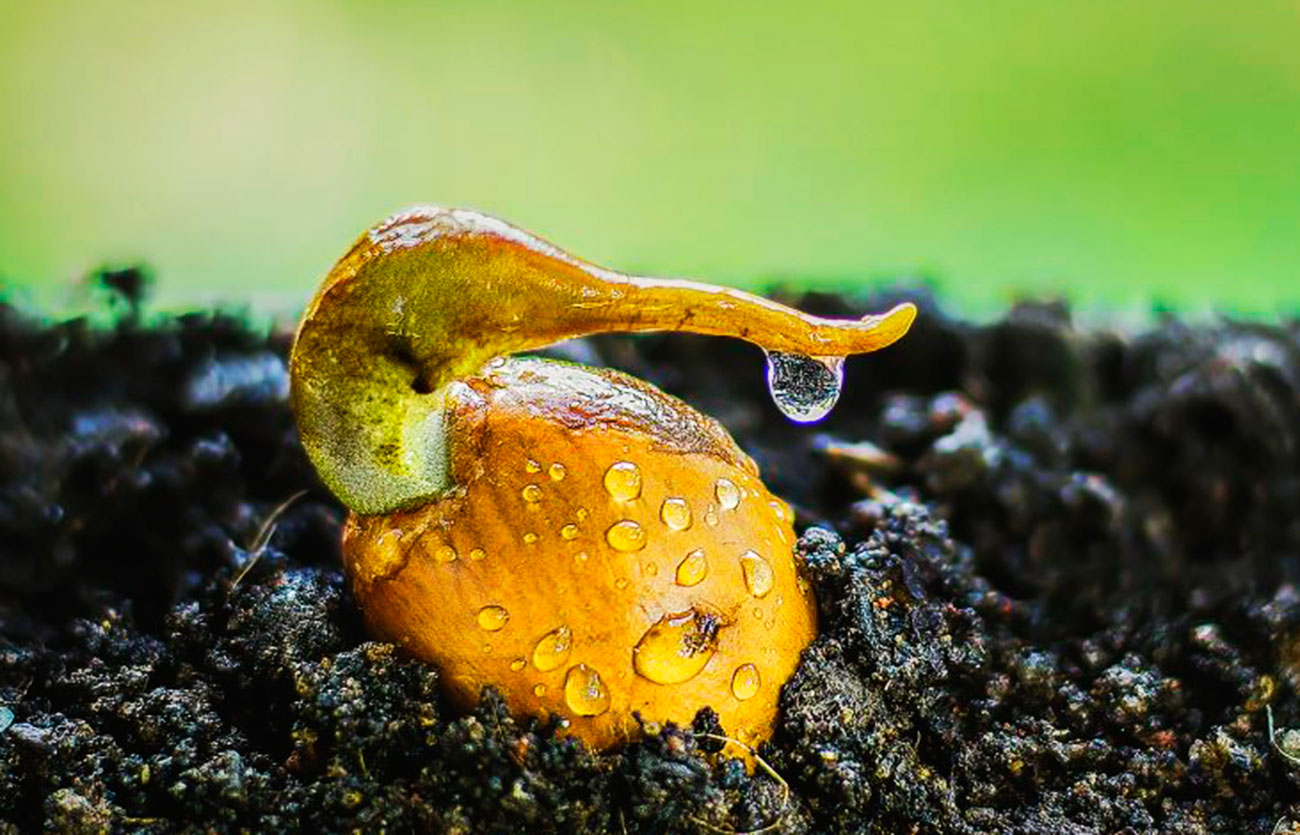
1059	594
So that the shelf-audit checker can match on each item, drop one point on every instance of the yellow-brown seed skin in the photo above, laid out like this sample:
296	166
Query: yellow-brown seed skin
510	427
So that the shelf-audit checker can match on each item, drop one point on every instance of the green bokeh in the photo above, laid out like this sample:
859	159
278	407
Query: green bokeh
1121	153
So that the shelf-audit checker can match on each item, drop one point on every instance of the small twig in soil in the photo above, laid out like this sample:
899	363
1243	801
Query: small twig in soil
762	763
263	538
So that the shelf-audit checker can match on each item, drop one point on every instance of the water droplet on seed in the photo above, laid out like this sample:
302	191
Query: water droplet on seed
623	481
445	553
584	692
676	648
759	578
518	664
389	556
745	682
492	618
532	493
692	569
477	554
530	538
569	532
728	494
626	535
804	388
553	649
711	517
557	471
581	513
676	513
539	690
532	466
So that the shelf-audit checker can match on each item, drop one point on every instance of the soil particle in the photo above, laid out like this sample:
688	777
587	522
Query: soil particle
1058	593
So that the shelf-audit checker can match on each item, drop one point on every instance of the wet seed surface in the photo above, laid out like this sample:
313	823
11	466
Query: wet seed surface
1066	606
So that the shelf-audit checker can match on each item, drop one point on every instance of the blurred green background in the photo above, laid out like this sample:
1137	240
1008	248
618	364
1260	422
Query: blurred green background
1120	153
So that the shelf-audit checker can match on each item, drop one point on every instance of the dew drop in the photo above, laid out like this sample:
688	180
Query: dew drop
553	649
584	692
676	648
758	573
580	557
530	538
581	513
532	466
557	471
626	535
711	517
518	664
623	481
532	493
569	532
388	557
492	618
745	682
804	388
728	494
445	553
676	513
693	568
477	554
539	690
